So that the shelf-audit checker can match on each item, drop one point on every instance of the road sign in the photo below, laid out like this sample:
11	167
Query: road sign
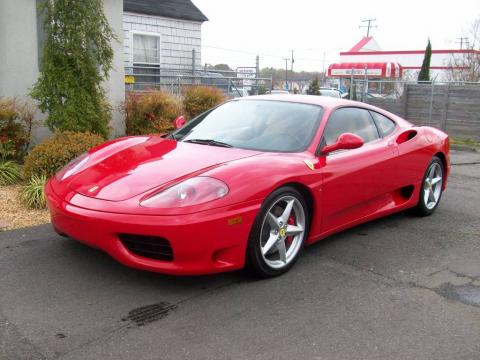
246	72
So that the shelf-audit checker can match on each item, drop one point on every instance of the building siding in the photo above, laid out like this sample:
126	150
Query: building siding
177	39
19	28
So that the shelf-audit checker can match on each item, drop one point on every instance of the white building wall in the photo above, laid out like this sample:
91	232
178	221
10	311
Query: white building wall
177	39
19	68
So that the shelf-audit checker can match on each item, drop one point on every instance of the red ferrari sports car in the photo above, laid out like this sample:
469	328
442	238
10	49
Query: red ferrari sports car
248	183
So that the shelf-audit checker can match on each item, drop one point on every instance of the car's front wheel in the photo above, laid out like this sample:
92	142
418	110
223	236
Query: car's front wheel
431	190
278	233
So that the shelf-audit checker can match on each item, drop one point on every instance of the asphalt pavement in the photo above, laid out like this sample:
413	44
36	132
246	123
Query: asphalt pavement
397	288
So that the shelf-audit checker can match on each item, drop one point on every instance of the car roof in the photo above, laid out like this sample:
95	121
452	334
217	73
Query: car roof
324	101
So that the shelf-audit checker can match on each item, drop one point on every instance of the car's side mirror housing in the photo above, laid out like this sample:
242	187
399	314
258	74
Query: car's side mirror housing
179	122
345	141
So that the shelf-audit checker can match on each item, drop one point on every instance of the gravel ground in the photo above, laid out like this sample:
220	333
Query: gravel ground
14	215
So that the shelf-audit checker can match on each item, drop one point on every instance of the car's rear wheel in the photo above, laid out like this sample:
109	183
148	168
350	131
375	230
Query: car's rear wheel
278	233
431	191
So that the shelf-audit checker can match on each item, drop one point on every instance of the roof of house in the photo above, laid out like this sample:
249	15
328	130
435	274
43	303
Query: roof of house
366	44
176	9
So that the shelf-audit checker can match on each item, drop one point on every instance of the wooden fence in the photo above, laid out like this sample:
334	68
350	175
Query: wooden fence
450	107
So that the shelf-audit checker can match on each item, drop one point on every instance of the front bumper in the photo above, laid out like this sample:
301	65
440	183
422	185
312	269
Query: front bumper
204	242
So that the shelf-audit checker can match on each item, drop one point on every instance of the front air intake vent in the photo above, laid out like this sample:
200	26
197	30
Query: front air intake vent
152	247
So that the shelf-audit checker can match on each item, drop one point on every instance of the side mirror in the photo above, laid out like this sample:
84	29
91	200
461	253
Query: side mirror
179	122
345	141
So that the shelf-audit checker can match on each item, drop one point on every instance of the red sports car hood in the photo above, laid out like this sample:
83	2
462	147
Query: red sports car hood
146	165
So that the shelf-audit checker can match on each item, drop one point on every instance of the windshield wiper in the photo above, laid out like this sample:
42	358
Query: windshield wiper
209	142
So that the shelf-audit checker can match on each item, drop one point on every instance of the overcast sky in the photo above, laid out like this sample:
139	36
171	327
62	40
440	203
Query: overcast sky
272	28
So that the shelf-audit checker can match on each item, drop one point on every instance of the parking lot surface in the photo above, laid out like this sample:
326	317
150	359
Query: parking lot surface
396	288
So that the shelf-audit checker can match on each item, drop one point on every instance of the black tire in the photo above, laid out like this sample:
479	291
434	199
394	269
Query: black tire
255	261
421	209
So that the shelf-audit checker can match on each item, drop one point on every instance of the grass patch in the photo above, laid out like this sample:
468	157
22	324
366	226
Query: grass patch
33	194
9	172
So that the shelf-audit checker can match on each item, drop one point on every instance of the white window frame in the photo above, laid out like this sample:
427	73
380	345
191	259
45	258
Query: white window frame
147	33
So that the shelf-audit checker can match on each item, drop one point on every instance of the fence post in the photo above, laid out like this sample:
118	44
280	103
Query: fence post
350	93
405	100
431	104
193	66
443	120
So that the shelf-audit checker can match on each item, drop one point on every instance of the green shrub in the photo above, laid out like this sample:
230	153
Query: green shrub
54	153
198	99
9	172
150	113
16	123
76	60
33	193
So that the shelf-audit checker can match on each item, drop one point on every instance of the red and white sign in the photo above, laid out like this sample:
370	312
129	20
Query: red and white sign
377	70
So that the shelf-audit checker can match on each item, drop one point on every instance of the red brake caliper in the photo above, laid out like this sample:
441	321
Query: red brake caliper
291	221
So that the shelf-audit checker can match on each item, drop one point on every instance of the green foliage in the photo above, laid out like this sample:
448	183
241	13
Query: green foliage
54	153
151	113
16	123
314	87
9	172
424	74
198	99
33	193
262	89
77	57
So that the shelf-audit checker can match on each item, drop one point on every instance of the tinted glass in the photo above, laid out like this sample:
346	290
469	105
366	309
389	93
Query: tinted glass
257	124
384	124
350	120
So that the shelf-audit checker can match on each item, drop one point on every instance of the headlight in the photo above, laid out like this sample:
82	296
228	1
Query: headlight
194	191
73	167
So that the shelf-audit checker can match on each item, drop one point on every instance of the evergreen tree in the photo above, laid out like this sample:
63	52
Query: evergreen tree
424	74
313	87
76	59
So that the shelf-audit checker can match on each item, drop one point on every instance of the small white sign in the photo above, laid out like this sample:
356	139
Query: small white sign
246	72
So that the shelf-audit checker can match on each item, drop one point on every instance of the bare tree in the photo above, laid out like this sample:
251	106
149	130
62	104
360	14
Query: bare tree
466	66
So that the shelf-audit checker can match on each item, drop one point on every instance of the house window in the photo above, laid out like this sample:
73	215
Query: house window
146	49
146	59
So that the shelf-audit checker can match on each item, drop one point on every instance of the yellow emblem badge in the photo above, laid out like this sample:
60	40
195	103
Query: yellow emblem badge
309	164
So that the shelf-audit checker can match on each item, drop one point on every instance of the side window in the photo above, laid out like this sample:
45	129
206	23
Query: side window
384	124
350	120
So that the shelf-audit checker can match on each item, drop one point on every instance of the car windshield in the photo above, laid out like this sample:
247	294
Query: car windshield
263	125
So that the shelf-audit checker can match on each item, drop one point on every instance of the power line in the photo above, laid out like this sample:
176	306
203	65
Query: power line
261	54
368	26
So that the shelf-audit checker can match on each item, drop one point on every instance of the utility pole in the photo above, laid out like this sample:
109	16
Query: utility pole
286	73
461	41
323	69
257	73
291	72
368	26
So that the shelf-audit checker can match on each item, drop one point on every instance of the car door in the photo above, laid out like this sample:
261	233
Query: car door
356	182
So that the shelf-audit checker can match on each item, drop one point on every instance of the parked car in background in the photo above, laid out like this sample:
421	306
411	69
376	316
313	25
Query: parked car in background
277	91
331	92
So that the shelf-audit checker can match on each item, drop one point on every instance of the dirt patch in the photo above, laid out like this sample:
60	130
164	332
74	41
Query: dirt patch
14	215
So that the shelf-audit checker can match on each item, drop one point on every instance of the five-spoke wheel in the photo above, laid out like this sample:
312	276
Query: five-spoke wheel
431	190
278	233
